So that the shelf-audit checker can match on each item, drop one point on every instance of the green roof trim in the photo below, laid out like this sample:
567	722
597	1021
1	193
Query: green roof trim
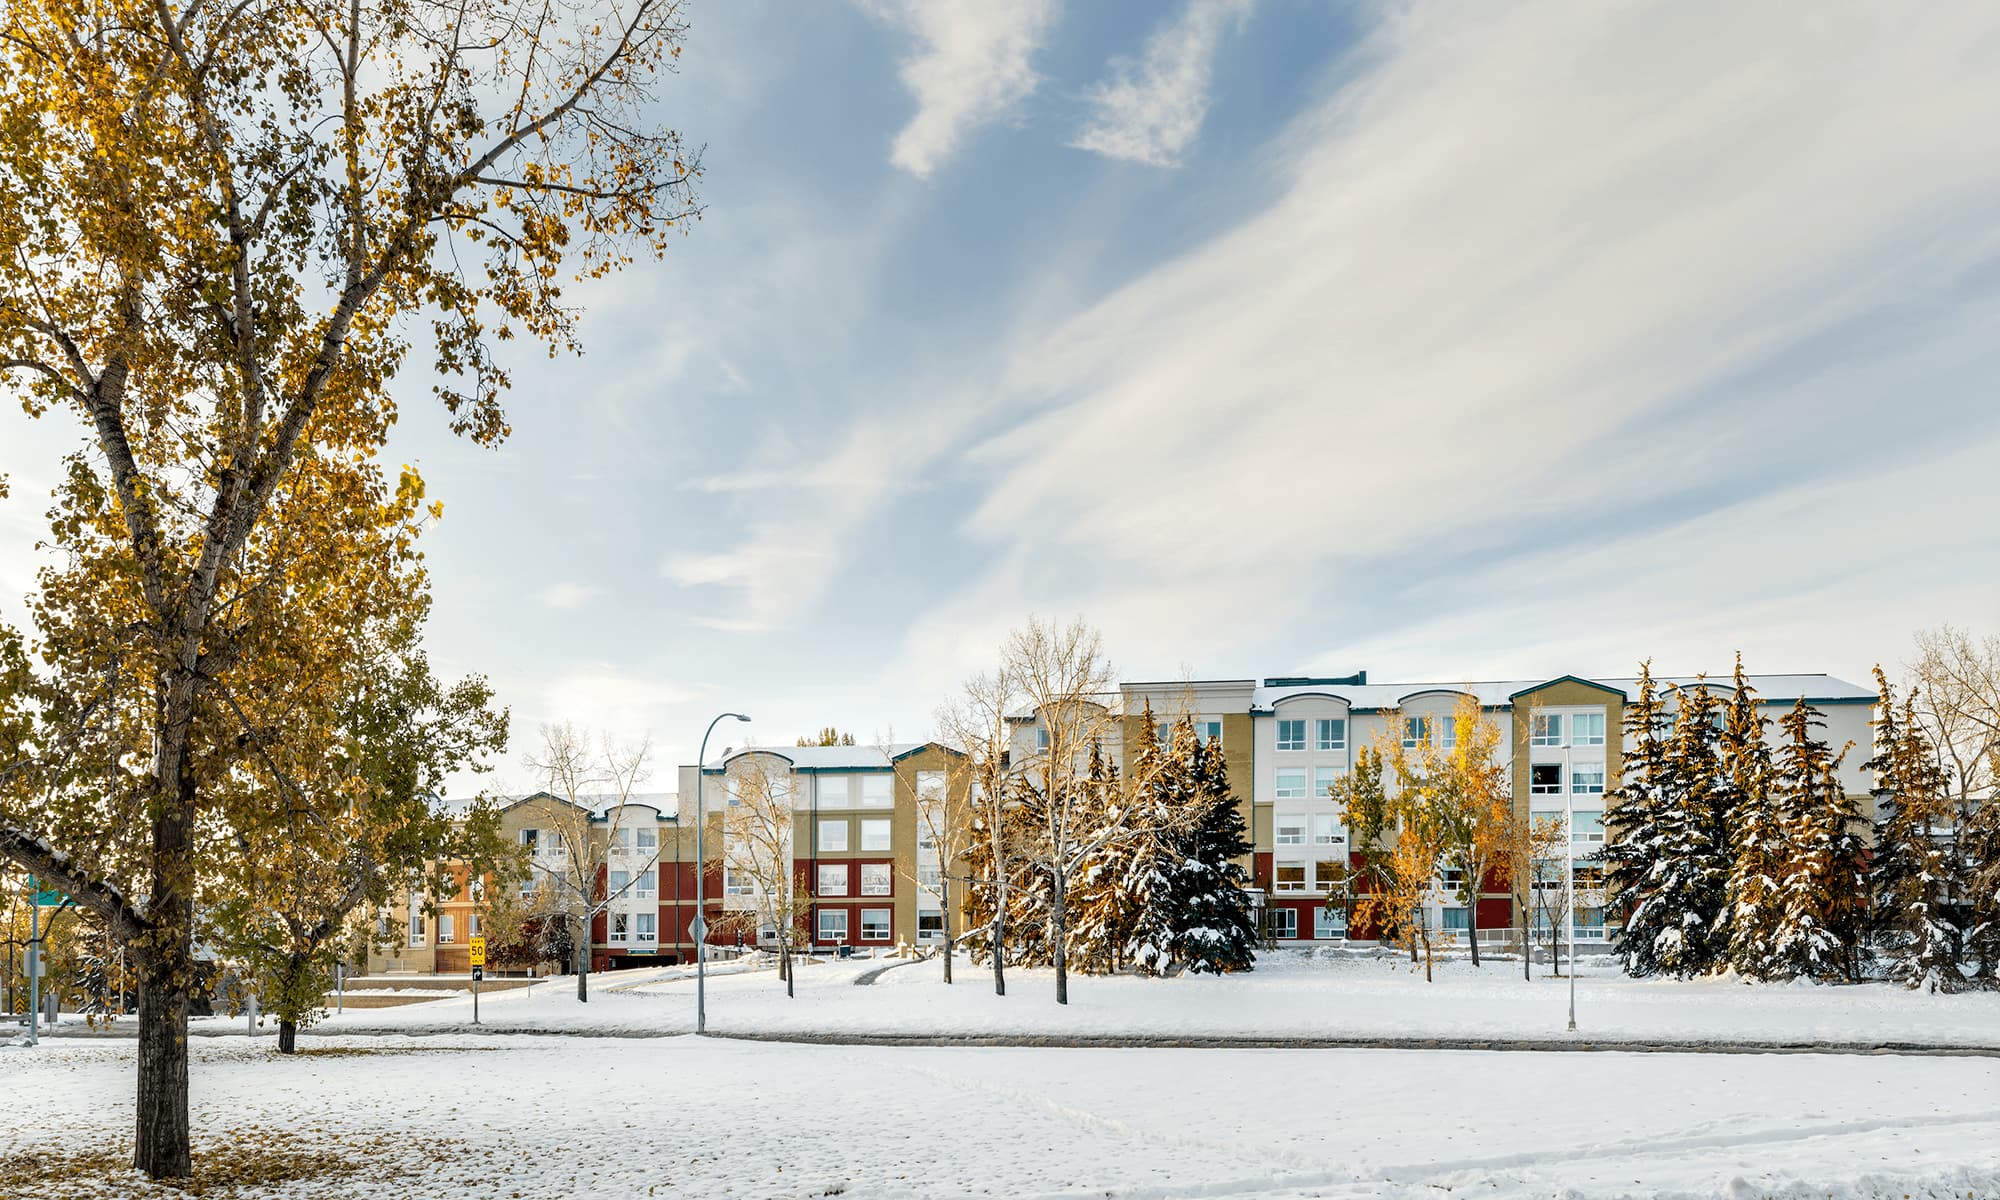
1589	683
1358	679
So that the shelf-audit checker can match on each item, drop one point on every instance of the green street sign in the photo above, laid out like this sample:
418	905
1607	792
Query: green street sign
49	899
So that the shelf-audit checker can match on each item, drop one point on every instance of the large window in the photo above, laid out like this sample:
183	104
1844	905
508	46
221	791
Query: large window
531	840
1330	921
616	889
1587	781
832	924
930	926
878	791
875	833
833	791
649	839
1329	876
447	929
1290	877
736	881
1545	779
621	928
1587	729
1323	780
1545	729
1457	919
645	927
416	922
1589	827
1416	731
877	879
648	886
1284	922
832	879
874	924
1041	740
832	837
1292	783
1291	831
930	877
1292	735
1332	733
1327	830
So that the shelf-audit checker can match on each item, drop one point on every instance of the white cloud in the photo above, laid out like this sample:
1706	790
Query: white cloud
1480	277
608	699
971	66
565	595
1150	111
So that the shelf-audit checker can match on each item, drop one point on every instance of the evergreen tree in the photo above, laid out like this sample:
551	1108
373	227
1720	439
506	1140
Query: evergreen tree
1155	874
1637	820
1760	850
1914	871
1691	875
1825	889
1979	858
1214	931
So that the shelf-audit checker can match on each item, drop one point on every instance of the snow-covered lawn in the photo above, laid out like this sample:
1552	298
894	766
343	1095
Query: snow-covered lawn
1289	994
536	1117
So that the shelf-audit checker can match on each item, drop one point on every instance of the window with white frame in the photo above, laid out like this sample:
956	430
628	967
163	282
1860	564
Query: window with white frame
832	837
1416	731
1545	729
1545	779
1324	779
1208	731
1589	826
1284	922
1587	729
1292	734
1291	831
877	879
737	882
1587	781
621	838
930	787
930	926
1447	732
447	929
647	887
472	925
1329	876
1327	830
878	791
832	925
930	877
528	882
1291	783
875	833
1543	816
1163	733
645	927
531	840
1331	733
1289	877
1456	919
416	922
1450	879
1041	740
1330	921
874	924
620	881
621	928
833	791
648	838
832	879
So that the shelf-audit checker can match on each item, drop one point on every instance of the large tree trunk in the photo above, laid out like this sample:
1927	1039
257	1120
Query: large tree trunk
288	1036
1527	946
785	964
944	899
1472	922
1057	937
161	1142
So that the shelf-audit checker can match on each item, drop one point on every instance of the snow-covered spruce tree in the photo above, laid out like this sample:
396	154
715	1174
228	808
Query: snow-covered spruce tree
1760	849
1913	873
1979	855
1825	890
1214	930
1636	818
1108	888
1692	872
1152	872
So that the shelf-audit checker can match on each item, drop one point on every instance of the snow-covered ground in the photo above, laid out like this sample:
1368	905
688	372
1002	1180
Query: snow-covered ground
1289	994
526	1117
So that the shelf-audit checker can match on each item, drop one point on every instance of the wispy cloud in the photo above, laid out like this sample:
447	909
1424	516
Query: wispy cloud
565	595
973	63
1150	111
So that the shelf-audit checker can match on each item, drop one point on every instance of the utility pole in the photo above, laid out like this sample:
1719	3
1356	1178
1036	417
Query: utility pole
701	881
1569	872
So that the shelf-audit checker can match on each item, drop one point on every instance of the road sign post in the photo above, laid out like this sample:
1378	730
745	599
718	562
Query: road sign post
34	971
478	955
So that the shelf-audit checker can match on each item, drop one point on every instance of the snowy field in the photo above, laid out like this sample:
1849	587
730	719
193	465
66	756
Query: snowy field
1289	994
530	1118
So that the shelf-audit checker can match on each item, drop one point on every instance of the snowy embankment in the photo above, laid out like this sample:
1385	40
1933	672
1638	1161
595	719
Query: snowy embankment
480	1118
1290	994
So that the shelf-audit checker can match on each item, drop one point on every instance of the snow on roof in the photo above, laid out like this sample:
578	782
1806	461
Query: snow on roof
824	758
1774	689
600	804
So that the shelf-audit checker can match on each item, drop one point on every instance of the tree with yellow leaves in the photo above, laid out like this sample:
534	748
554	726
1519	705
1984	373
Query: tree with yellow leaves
224	227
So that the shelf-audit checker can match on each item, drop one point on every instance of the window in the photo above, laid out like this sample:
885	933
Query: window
447	929
1588	878
930	877
1541	815
832	924
416	922
472	925
874	924
930	787
1284	922
621	928
1332	733
1204	731
620	881
1330	922
1292	735
832	837
1545	779
1447	732
1292	784
876	879
930	926
621	839
1587	781
875	834
646	927
531	840
1291	831
649	840
528	884
1209	731
1589	922
878	791
1324	779
1291	877
1457	919
1589	827
1416	731
833	791
1545	729
833	879
648	886
737	882
1041	740
1587	729
1450	880
1327	830
1329	876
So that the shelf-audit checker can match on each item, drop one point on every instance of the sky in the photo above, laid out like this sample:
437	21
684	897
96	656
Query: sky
1449	342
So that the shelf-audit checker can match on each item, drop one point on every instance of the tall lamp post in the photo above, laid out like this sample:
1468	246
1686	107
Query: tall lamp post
701	880
1569	873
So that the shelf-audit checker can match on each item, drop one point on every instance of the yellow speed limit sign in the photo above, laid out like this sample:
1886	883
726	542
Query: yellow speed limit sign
479	952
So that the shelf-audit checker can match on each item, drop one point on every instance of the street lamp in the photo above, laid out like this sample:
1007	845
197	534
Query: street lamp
1569	873
701	879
